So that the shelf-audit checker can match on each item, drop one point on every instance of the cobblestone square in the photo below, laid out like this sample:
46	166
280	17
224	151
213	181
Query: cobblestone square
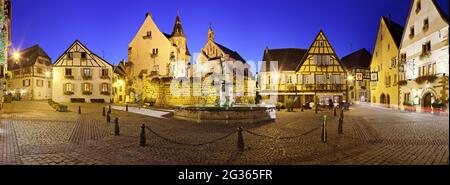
32	133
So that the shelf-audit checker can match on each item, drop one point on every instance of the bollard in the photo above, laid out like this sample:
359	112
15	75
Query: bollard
79	109
317	106
109	109
334	111
126	107
116	127
342	113
302	108
324	132
142	140
240	141
341	122
104	111
108	118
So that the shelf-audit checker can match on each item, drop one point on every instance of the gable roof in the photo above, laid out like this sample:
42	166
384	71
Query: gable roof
77	42
28	57
233	54
357	59
395	30
312	44
288	58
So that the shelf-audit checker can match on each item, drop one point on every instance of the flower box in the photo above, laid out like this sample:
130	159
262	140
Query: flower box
87	77
105	93
87	93
422	79
68	93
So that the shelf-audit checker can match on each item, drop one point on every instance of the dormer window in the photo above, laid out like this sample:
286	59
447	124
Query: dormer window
425	24
418	6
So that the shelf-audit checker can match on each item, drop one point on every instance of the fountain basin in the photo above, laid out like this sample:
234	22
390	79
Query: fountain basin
225	115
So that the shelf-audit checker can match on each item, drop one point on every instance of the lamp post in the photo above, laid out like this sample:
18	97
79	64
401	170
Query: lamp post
349	78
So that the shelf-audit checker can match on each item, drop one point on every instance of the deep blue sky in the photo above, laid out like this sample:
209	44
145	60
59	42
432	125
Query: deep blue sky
247	26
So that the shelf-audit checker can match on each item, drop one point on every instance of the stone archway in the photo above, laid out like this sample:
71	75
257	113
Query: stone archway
383	99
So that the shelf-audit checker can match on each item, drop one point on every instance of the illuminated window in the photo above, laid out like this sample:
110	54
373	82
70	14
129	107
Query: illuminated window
87	87
68	87
105	87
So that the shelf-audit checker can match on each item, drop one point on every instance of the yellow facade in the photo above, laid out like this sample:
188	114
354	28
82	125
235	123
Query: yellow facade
322	74
384	88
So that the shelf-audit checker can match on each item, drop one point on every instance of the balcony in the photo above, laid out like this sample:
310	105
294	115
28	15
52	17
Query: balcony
71	77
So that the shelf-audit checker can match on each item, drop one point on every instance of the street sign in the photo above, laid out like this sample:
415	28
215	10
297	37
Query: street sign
359	76
374	76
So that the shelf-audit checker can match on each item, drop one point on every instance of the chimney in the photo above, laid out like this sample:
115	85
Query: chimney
267	49
389	18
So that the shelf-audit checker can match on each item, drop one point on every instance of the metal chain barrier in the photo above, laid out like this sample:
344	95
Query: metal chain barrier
282	138
190	144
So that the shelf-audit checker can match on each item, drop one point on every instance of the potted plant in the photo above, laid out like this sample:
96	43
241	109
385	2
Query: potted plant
409	107
279	106
290	105
437	107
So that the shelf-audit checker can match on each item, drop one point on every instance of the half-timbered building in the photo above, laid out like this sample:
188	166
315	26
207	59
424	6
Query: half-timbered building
321	76
80	75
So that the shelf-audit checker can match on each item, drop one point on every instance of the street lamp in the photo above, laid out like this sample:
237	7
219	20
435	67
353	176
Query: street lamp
349	79
16	55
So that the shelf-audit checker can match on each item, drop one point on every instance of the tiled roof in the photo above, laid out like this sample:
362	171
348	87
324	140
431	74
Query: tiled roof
233	54
395	29
357	59
288	59
28	57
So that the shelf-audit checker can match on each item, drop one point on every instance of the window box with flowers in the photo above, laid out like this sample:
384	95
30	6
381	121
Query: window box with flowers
104	77
69	93
87	77
87	93
429	78
69	77
105	93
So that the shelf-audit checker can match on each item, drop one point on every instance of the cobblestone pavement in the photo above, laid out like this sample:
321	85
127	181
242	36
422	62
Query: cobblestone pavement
32	133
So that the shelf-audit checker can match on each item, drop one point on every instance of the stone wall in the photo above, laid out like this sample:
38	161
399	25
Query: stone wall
165	92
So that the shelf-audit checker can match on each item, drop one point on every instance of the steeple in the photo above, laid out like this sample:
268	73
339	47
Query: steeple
210	33
177	28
